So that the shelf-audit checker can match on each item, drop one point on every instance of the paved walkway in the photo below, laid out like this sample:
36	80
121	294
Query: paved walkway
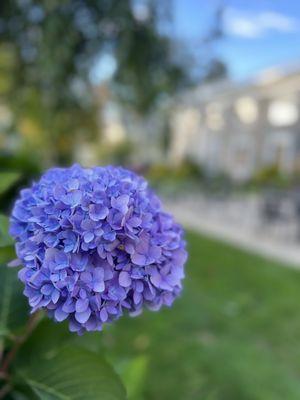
245	231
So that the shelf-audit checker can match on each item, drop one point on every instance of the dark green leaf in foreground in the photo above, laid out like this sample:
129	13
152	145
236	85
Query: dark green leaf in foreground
5	238
7	180
71	374
13	305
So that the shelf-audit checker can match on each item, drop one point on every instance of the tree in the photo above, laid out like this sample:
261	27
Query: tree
47	48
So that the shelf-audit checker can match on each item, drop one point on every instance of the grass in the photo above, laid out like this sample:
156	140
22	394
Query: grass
233	335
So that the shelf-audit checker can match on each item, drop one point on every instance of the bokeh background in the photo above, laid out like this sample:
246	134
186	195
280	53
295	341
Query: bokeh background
203	98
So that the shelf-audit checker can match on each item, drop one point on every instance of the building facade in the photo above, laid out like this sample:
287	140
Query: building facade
240	129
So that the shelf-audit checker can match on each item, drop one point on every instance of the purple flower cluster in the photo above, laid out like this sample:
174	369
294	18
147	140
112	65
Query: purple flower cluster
94	243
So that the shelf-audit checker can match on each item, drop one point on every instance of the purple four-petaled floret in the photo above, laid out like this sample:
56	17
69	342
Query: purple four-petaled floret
94	243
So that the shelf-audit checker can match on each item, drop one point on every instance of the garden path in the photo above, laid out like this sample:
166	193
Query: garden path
239	221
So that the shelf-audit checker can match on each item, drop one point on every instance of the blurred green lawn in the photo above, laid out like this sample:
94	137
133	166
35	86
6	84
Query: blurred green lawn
233	335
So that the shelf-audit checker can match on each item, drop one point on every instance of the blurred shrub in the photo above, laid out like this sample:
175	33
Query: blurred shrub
220	183
25	163
15	172
185	171
8	179
118	154
271	176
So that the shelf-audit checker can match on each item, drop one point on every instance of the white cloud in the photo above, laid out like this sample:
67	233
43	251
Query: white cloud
255	25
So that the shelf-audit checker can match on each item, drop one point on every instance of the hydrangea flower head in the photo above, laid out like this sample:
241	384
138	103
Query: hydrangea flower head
94	243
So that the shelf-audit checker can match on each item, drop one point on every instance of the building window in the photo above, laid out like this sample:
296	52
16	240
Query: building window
246	109
283	113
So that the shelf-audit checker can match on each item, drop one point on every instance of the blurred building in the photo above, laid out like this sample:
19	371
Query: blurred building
239	129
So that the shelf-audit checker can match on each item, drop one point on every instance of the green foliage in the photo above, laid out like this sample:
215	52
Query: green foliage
8	179
24	162
185	171
47	50
146	66
23	170
14	309
133	372
5	239
53	363
171	180
117	154
57	364
7	254
13	306
71	373
270	175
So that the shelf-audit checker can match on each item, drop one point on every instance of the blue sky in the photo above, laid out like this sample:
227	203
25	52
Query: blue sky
259	34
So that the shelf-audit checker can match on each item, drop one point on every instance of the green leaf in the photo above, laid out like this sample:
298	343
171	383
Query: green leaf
47	337
71	373
133	373
7	180
55	364
5	238
7	254
14	309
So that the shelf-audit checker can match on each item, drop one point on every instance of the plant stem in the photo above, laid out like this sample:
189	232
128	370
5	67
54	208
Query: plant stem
31	324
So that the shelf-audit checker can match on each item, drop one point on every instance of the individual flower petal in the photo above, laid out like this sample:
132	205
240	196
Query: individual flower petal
68	306
88	237
138	259
103	315
72	198
120	203
82	305
60	315
124	279
82	317
79	262
98	212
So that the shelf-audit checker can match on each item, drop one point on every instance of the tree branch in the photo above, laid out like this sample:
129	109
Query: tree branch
31	325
